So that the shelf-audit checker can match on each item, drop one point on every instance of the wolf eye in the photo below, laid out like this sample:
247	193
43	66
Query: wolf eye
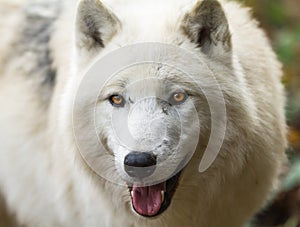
117	100
178	98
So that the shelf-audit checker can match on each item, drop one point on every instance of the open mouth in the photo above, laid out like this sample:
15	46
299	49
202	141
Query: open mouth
153	200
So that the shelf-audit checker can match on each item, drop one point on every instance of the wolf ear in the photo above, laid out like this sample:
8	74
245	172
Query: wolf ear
95	25
207	26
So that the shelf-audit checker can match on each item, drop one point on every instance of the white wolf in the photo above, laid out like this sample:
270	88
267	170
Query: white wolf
48	181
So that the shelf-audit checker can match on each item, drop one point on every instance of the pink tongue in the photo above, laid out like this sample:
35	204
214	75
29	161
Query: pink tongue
147	200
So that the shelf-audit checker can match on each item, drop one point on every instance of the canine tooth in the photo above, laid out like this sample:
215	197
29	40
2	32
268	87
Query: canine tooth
162	196
131	193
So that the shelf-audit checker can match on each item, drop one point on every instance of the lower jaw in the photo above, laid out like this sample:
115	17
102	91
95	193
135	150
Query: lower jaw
171	185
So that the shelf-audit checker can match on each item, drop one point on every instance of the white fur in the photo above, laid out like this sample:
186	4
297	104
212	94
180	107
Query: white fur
45	181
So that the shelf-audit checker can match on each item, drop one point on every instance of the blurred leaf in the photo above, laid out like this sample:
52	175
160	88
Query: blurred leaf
276	14
294	137
285	46
293	108
293	179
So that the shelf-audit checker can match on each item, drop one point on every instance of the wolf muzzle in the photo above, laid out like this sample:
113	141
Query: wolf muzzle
140	164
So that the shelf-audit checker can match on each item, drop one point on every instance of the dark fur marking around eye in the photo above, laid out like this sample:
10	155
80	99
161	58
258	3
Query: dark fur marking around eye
165	110
165	107
130	101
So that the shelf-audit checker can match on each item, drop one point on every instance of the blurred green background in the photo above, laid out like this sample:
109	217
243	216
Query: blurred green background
281	21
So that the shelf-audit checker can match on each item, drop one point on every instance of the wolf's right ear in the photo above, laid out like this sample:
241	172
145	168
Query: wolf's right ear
95	25
207	26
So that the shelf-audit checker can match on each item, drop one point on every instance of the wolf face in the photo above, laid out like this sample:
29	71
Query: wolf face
148	117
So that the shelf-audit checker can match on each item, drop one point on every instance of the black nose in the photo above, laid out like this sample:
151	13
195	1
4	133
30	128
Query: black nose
140	164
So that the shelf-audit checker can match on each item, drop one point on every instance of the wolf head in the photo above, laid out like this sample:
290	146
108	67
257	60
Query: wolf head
150	117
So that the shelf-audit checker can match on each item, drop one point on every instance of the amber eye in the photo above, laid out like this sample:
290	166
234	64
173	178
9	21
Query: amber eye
178	98
117	100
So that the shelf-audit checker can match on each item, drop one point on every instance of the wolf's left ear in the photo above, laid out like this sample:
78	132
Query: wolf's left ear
207	26
95	25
